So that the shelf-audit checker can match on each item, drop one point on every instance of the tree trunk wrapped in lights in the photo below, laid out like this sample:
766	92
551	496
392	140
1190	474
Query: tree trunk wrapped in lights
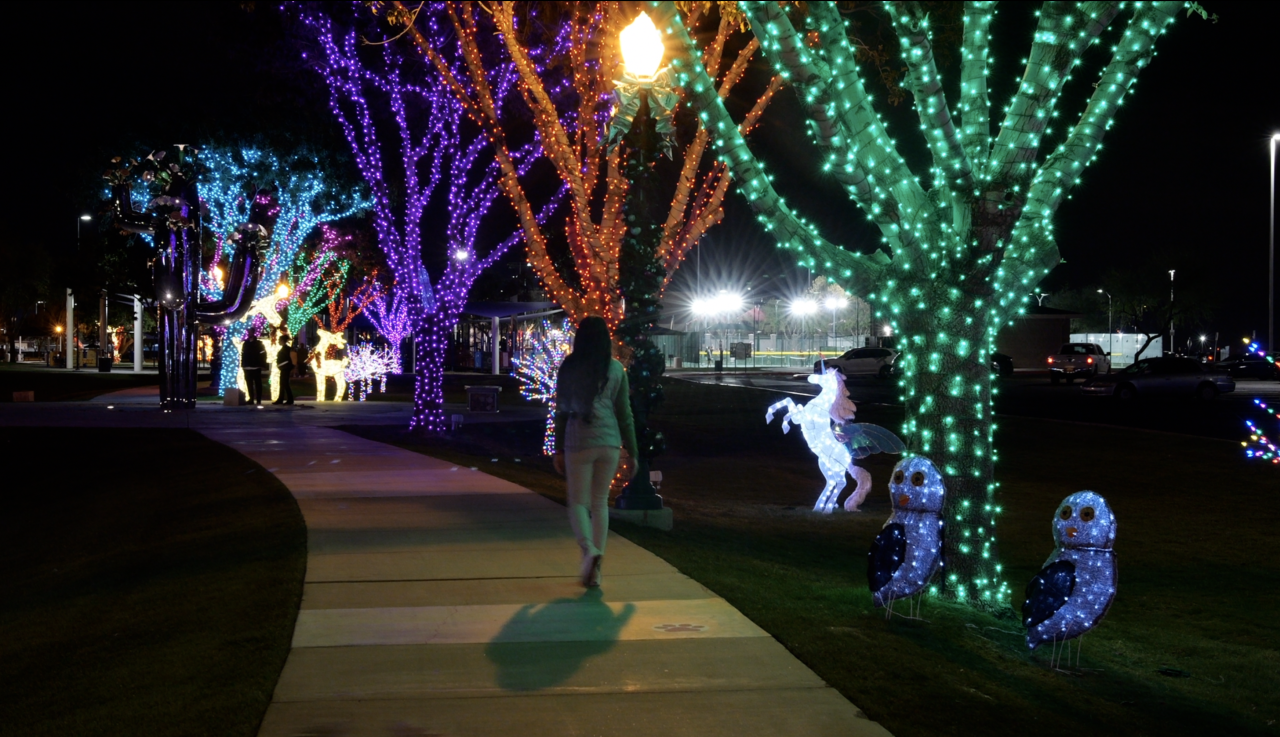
382	106
570	109
961	255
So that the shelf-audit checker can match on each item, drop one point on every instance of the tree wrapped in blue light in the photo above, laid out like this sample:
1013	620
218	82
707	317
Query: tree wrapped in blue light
386	106
966	242
538	368
291	195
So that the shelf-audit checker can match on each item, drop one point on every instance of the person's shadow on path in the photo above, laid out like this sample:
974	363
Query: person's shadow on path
586	626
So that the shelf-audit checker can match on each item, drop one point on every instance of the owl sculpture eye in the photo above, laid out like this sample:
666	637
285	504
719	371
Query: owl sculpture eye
1066	512
1086	514
897	476
917	478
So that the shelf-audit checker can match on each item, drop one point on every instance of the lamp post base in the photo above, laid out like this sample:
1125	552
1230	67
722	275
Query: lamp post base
639	494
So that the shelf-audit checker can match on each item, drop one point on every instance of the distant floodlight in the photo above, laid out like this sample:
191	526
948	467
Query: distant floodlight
461	254
726	302
85	218
888	330
835	303
803	307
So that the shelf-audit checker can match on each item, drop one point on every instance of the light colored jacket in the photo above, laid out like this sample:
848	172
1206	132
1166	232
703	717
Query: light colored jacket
611	423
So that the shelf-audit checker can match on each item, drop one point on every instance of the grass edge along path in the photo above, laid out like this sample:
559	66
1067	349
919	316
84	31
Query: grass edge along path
155	579
1197	556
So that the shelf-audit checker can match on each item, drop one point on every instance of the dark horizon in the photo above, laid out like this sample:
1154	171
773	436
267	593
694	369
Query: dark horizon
1181	182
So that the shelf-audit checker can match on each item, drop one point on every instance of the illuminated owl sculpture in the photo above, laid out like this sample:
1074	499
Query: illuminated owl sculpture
1074	590
908	551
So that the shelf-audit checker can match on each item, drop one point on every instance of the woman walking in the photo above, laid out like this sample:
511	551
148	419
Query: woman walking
593	419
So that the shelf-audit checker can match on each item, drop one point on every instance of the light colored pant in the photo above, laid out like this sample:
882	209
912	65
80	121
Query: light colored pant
589	473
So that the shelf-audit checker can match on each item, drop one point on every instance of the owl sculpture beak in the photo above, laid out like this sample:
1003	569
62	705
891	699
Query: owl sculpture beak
903	499
1071	532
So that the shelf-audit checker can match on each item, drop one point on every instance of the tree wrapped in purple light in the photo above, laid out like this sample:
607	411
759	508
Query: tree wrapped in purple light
381	102
538	367
290	195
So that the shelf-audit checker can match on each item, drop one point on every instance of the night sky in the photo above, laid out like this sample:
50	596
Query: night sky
1181	182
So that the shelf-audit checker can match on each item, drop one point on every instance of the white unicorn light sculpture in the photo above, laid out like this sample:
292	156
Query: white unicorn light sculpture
836	451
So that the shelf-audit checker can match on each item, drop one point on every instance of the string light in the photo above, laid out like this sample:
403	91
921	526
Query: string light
958	258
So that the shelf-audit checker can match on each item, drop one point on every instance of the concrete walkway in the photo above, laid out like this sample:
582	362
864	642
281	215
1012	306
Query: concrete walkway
440	600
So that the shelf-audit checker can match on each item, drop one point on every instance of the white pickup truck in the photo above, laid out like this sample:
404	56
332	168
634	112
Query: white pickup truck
1078	360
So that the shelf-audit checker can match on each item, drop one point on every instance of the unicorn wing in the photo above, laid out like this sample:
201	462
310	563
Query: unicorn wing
866	439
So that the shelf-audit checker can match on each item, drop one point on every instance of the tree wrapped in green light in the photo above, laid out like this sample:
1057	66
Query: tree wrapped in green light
960	255
310	281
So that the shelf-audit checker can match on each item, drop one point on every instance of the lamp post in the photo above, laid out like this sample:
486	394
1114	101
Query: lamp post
835	304
1171	271
803	307
1103	291
1271	264
72	359
645	96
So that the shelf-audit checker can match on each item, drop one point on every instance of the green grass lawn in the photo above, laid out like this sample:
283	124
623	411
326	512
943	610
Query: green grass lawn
62	385
1197	549
152	581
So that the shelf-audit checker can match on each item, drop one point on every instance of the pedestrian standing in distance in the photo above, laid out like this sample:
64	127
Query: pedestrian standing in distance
284	359
593	420
253	358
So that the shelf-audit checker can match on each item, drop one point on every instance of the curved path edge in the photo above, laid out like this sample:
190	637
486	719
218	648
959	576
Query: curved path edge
440	600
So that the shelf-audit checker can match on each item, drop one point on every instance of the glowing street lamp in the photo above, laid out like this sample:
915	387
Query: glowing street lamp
642	47
643	78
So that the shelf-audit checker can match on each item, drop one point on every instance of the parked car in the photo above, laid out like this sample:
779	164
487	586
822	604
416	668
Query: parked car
1165	376
1251	366
1001	365
1078	361
861	362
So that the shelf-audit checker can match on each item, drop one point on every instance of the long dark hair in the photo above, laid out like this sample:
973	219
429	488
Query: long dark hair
585	371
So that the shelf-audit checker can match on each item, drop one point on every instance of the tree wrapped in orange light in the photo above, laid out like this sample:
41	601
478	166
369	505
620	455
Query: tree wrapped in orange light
342	310
570	126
